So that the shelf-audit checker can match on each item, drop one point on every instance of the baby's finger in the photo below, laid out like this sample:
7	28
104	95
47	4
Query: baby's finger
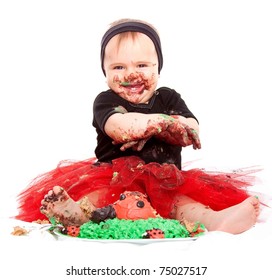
195	138
140	144
128	145
185	140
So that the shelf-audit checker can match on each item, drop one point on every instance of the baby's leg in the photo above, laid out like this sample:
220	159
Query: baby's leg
235	219
58	204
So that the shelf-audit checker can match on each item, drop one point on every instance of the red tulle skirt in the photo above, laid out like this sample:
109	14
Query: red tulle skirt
163	184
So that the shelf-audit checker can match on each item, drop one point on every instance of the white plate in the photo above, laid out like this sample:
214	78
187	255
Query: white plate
136	241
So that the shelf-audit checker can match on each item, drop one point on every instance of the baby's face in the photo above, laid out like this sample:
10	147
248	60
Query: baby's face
131	67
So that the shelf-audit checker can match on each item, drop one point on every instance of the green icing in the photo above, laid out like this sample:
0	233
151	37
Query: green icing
53	221
129	229
120	109
167	117
125	84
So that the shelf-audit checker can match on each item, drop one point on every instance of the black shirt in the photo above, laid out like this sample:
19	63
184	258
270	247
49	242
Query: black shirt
164	101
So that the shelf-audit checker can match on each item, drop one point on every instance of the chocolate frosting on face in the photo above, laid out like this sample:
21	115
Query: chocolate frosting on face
133	26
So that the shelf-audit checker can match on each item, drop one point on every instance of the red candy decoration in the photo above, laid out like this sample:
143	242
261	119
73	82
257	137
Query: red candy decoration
73	231
154	233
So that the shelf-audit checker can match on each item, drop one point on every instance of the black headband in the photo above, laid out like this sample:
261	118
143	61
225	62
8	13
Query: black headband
133	26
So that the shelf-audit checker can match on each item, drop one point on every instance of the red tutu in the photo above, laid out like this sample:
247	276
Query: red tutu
103	183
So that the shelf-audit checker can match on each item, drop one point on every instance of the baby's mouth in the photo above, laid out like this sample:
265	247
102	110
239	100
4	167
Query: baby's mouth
134	88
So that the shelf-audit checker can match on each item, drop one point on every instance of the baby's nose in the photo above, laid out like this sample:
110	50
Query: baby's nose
132	76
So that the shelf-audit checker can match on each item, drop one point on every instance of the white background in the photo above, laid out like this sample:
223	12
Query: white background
217	54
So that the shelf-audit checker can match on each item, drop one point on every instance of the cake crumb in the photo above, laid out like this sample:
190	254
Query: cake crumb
18	231
190	226
86	206
41	222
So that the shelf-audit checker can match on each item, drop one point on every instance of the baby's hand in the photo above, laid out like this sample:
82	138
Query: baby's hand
134	145
193	135
180	135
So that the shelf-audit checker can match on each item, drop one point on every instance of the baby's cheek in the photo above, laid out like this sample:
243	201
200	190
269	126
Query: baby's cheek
150	81
116	79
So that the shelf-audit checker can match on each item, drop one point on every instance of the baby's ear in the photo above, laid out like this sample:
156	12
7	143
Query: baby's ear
102	214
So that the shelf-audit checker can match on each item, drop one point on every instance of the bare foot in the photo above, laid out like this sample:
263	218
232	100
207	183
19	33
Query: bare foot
235	219
58	204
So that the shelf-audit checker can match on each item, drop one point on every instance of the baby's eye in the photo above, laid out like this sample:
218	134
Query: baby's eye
118	67
142	65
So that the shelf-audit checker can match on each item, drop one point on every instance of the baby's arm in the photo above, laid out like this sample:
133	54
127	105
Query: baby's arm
128	127
134	129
